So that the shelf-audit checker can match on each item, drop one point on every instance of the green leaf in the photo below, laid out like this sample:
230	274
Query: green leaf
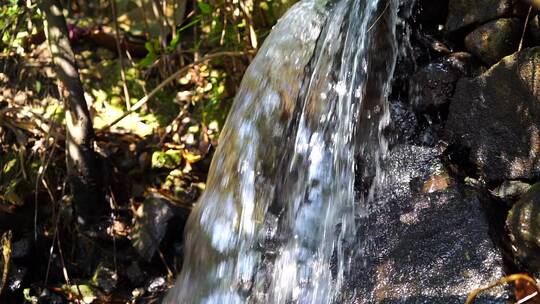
169	159
174	42
89	294
205	8
38	86
149	46
11	195
9	166
28	297
148	60
192	23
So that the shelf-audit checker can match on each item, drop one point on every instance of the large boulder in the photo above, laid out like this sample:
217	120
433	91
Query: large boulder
462	13
495	39
497	116
524	225
422	243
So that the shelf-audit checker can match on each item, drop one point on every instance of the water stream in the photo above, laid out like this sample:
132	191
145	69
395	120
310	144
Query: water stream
277	222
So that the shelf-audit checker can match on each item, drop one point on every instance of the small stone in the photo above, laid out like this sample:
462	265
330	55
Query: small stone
16	278
137	292
157	284
4	78
494	40
437	183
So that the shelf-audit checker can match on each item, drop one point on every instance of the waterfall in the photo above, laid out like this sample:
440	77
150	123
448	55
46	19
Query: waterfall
277	221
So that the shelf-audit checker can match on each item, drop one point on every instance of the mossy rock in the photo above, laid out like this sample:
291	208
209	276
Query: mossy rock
494	40
524	225
496	116
464	13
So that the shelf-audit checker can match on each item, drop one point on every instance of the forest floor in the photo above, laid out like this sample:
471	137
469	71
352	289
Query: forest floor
153	161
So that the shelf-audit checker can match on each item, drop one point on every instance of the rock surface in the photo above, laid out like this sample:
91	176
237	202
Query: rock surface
494	40
497	117
420	247
433	11
524	225
510	190
462	13
151	227
433	85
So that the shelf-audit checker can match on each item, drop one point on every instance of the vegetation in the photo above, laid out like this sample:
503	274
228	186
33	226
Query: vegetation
109	114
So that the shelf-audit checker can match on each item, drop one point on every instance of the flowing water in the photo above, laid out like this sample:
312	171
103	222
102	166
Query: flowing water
277	221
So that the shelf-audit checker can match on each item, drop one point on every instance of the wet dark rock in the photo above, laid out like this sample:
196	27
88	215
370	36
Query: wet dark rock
432	42
407	127
135	274
21	248
524	225
437	182
534	30
404	122
494	40
463	62
423	247
16	278
428	136
496	116
49	297
462	13
433	85
511	190
105	278
151	225
432	11
157	284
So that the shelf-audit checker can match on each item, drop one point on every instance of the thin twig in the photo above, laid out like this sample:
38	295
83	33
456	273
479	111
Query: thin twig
379	17
223	31
65	271
170	79
527	298
55	235
251	35
120	55
5	246
114	209
170	274
45	160
511	278
524	28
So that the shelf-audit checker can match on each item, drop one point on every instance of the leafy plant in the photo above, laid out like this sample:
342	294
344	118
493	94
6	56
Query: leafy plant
13	14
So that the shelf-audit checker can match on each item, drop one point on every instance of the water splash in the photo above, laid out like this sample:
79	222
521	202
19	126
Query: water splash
280	205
